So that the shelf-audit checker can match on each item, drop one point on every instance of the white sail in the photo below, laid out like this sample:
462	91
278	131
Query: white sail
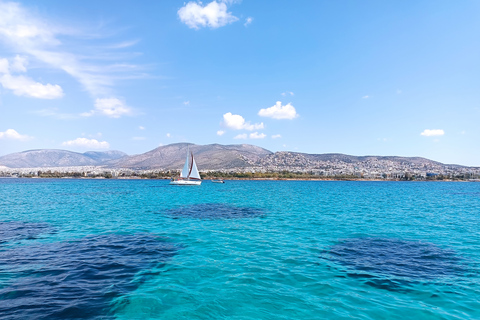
194	172
186	168
189	175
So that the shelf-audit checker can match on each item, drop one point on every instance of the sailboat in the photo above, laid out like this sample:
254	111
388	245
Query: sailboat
189	175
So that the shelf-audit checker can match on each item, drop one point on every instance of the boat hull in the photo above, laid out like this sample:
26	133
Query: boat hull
186	182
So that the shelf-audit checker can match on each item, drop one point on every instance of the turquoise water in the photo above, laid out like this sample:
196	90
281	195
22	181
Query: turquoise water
141	249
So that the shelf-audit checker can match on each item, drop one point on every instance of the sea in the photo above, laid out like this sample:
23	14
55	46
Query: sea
142	249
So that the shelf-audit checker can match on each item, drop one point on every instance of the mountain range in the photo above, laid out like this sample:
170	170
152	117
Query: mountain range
58	158
208	157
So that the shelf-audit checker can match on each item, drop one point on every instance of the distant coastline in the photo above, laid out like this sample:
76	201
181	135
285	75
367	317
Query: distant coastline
241	161
241	179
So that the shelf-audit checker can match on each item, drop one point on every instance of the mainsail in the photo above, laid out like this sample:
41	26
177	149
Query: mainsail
186	168
190	170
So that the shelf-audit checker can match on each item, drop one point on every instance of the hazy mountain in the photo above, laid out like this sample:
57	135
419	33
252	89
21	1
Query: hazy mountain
57	158
105	155
217	157
207	157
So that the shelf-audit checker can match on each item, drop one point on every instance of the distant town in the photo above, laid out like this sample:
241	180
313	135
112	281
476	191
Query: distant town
290	168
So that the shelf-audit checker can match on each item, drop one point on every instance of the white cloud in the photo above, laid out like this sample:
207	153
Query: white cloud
11	134
432	132
279	112
276	136
286	93
256	135
110	107
237	122
220	132
213	15
365	97
24	86
186	103
141	127
248	21
87	143
168	135
241	136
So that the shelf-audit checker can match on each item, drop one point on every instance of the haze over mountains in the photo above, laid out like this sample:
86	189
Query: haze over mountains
210	157
58	158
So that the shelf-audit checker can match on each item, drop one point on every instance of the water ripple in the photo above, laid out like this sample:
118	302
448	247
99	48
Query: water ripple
17	230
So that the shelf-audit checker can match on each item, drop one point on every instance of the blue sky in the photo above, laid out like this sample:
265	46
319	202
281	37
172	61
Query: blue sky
354	77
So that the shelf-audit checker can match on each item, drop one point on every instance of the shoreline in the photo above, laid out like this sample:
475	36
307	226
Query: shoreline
244	179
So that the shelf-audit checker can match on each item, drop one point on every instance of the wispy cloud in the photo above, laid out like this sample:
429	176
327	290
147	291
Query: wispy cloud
213	15
248	21
287	93
365	97
279	112
141	127
95	68
87	143
55	113
11	134
138	138
237	122
276	136
241	136
110	107
220	132
432	132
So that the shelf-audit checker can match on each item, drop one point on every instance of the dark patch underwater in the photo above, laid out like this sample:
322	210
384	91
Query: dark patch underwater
17	230
77	279
214	211
394	264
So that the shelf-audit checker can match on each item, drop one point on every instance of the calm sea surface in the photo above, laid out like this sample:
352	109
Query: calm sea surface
142	249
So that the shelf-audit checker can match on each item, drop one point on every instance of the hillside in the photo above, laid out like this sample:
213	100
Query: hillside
57	158
208	157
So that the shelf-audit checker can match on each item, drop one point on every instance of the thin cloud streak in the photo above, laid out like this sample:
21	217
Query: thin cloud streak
432	132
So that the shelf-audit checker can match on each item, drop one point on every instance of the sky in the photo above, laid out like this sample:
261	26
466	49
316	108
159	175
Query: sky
359	77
